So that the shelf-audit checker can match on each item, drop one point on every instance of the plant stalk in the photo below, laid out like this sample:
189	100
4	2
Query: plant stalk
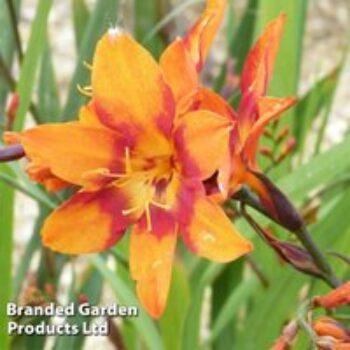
303	235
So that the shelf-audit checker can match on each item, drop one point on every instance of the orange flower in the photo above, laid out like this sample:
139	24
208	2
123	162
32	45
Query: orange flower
331	334
256	110
134	165
337	297
254	113
184	59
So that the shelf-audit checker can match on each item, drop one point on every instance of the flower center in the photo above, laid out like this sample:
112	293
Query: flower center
146	182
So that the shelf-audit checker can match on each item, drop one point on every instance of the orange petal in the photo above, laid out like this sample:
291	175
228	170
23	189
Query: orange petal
260	62
68	150
269	108
180	74
184	58
201	139
327	326
129	91
201	35
211	234
213	102
89	117
151	259
88	222
337	297
43	175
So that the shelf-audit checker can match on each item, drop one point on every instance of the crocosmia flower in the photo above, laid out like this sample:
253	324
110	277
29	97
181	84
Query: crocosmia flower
133	162
255	111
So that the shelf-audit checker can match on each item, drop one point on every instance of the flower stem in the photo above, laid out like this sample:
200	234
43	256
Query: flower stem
318	257
10	153
14	24
303	235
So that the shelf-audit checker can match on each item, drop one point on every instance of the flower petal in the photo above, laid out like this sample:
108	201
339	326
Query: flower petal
184	57
68	150
211	234
260	62
213	102
201	35
180	73
269	109
88	222
151	259
201	140
129	91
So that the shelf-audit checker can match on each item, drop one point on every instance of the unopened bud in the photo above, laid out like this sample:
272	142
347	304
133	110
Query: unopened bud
289	333
12	110
266	151
286	150
337	297
282	134
83	298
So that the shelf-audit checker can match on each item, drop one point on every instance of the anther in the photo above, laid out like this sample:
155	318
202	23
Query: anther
86	91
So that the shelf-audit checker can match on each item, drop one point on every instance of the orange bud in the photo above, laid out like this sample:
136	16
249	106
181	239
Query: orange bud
282	134
286	149
12	110
337	297
267	133
83	298
266	151
288	335
326	326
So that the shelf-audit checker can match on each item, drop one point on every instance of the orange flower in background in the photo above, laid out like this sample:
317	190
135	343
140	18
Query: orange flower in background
335	298
135	162
254	113
331	334
255	110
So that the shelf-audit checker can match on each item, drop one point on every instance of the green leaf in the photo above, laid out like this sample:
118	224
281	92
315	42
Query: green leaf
229	310
6	246
30	65
316	101
48	97
204	275
104	13
224	285
146	15
91	287
7	48
172	322
178	10
319	171
239	48
81	16
144	325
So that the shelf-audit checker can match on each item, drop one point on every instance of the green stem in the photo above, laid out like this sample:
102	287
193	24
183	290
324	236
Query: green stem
302	234
14	24
317	256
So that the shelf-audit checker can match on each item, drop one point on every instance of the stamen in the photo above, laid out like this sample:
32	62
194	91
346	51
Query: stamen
128	161
87	65
126	212
86	91
148	217
161	205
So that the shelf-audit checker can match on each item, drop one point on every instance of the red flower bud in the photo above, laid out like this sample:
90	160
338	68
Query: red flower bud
337	297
